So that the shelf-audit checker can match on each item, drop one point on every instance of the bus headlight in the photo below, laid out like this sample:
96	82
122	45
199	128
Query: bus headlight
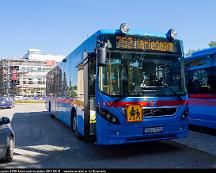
124	28
108	116
185	114
171	34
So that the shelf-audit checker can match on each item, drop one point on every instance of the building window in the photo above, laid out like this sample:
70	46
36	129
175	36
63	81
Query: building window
24	81
39	81
30	81
39	69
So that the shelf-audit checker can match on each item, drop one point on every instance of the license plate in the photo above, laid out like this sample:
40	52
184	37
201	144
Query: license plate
153	129
134	113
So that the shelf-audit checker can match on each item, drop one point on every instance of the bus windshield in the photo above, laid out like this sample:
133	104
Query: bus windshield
141	74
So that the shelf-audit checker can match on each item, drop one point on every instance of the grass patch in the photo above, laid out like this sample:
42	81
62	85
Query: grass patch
29	101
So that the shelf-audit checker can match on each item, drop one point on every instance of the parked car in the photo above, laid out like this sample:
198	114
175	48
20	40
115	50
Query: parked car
18	98
6	102
7	140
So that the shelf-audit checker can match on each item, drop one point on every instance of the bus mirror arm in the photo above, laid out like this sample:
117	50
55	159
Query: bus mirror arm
102	43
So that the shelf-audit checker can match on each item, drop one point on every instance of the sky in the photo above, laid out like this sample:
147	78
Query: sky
59	26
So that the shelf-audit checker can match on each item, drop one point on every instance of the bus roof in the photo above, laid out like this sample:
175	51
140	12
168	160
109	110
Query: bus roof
131	32
78	49
211	50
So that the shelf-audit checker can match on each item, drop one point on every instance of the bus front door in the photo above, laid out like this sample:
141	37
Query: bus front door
89	99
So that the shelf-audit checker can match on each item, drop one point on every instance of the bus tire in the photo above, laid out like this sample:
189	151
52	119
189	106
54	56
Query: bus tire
73	113
51	115
49	109
74	124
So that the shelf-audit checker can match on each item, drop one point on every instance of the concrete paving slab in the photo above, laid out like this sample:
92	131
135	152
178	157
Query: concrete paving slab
199	141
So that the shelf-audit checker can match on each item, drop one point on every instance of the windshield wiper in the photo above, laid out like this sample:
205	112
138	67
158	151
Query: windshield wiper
171	89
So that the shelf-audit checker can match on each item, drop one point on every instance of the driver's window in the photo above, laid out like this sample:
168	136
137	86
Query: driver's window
110	77
135	75
114	69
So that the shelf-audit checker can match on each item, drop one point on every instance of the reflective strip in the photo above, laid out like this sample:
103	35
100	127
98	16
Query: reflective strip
146	103
203	96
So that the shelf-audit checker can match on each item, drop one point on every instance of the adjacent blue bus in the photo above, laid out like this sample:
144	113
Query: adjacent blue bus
201	86
122	86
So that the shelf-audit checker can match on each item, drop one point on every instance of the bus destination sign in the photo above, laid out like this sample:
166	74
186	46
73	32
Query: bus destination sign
144	44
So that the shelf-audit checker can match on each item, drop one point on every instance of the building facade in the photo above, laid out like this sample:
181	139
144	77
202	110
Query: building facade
26	76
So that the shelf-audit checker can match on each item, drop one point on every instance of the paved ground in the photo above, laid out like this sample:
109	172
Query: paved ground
42	142
200	141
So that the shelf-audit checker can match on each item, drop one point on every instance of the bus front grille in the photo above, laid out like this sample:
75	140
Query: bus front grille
153	112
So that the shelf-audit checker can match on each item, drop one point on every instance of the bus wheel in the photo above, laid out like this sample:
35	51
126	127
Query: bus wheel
51	115
74	127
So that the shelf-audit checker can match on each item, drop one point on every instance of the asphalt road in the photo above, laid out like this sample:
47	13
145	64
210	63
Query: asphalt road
42	142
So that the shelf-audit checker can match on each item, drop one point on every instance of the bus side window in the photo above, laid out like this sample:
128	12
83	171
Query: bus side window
196	84
212	83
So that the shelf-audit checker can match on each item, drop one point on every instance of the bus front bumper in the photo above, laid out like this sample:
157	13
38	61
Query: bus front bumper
111	135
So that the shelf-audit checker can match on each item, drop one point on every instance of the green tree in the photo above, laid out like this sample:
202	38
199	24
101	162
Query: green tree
71	91
212	44
190	51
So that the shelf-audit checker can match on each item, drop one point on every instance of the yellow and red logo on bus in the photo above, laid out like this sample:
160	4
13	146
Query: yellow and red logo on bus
134	113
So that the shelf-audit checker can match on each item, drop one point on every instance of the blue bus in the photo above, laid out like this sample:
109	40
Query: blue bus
201	86
122	86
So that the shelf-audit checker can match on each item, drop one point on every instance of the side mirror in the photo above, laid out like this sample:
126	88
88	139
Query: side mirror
4	120
102	56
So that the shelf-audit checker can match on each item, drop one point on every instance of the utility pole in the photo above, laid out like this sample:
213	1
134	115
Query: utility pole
8	78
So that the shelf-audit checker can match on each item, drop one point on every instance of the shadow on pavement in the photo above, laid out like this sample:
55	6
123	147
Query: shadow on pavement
205	130
44	142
